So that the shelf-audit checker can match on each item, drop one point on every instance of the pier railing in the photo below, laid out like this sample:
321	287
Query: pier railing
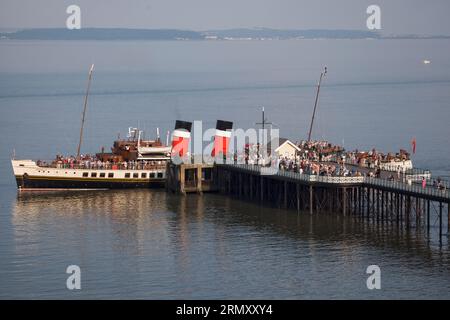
386	166
409	187
268	171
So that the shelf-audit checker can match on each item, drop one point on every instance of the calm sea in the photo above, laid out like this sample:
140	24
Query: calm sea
149	244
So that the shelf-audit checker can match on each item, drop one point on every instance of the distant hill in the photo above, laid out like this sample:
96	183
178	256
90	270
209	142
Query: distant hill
175	34
103	34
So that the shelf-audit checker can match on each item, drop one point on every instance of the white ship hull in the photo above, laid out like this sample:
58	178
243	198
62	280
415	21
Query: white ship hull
30	176
396	165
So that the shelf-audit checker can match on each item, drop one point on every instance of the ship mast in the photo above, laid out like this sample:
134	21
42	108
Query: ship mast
263	125
315	103
261	145
84	110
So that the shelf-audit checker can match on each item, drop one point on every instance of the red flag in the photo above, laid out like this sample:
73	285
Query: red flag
413	144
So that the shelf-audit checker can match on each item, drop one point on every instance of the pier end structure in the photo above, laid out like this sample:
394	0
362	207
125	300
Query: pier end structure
190	178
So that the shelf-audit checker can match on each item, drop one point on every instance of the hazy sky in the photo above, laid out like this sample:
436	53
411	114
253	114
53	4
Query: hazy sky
398	16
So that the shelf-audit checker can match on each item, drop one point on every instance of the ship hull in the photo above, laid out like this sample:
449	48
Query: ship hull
30	176
42	183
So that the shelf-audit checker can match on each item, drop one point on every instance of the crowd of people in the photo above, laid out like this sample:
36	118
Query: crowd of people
93	162
439	184
324	151
305	166
325	159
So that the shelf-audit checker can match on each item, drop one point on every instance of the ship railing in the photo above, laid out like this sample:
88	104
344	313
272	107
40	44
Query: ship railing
103	166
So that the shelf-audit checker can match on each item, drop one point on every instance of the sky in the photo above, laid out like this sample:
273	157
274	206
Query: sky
397	16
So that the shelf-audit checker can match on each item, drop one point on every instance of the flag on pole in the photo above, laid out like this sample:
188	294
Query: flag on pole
413	144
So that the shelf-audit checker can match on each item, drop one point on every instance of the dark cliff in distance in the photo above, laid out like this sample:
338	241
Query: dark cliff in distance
102	34
112	34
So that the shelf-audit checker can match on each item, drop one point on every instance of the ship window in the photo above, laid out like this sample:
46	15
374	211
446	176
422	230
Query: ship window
93	174
152	174
102	174
127	175
85	174
110	175
160	175
144	175
21	165
135	175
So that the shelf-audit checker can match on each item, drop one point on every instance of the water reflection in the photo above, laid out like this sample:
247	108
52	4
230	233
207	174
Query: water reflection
132	213
127	213
212	246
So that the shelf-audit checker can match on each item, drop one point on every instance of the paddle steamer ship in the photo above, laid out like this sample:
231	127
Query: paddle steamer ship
132	163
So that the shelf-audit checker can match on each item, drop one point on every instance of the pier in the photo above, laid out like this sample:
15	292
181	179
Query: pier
381	200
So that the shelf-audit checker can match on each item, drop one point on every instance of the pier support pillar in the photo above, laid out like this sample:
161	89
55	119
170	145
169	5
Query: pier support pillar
344	201
199	179
240	187
448	218
311	199
440	220
182	179
378	205
391	203
360	190
408	210
262	190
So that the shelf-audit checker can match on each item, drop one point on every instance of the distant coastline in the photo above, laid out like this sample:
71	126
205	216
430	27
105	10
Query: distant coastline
258	34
